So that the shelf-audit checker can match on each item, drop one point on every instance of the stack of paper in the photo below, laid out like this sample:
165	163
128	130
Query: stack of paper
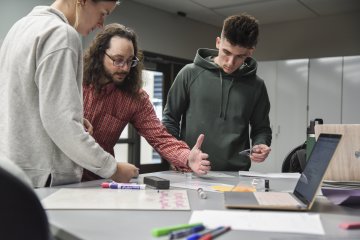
261	221
341	184
342	192
269	175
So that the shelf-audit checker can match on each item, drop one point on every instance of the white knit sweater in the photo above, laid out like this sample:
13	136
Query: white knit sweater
41	106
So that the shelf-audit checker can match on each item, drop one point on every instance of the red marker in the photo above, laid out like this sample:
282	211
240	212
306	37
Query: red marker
215	234
350	225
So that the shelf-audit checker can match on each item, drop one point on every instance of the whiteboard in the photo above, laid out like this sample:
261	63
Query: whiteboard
89	198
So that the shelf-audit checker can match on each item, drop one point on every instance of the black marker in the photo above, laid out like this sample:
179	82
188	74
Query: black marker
267	185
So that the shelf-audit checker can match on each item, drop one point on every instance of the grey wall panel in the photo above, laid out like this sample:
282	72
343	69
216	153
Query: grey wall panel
291	103
325	86
267	71
351	90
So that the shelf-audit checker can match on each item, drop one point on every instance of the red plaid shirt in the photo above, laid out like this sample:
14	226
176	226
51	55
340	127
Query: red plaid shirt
111	110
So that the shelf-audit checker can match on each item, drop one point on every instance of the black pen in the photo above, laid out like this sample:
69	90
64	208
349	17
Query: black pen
267	185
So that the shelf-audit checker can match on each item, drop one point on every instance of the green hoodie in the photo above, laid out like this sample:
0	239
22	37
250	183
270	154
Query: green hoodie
205	99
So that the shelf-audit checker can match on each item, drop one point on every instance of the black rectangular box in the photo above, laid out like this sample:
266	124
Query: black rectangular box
157	182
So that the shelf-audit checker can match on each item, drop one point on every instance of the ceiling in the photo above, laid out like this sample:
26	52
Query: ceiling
213	12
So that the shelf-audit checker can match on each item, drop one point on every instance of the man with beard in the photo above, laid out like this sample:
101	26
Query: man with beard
113	98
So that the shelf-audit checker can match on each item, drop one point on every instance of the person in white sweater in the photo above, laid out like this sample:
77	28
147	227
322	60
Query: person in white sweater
41	118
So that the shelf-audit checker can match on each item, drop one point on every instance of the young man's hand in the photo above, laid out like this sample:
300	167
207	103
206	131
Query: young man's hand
124	172
197	159
259	152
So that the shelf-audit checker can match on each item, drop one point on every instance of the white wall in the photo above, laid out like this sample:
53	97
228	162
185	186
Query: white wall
11	11
302	90
157	31
162	32
176	36
321	37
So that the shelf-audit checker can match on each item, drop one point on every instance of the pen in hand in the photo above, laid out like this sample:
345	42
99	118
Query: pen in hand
246	152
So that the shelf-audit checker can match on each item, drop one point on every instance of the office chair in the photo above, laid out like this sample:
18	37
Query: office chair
295	160
22	215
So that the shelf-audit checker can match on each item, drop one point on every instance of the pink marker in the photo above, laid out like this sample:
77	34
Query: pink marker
350	225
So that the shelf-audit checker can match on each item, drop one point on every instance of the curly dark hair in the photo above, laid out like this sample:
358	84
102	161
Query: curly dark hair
93	59
241	30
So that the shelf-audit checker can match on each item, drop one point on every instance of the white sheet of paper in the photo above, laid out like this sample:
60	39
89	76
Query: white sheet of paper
209	175
294	222
195	184
212	174
87	198
269	175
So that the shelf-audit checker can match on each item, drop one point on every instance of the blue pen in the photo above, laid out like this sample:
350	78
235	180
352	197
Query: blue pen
183	233
196	236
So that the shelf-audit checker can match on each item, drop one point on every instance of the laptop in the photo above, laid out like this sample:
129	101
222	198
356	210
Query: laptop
346	163
304	193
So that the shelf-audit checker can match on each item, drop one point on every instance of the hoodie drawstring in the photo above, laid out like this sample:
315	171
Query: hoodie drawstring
227	98
223	114
221	84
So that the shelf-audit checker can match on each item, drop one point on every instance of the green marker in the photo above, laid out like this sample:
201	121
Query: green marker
157	232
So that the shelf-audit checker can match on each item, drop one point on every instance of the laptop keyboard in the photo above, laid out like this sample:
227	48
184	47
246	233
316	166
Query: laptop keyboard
276	199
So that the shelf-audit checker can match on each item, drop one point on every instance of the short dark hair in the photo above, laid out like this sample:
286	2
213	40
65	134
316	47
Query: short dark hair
93	60
242	30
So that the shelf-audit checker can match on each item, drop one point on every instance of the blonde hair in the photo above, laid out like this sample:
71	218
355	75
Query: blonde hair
78	3
76	22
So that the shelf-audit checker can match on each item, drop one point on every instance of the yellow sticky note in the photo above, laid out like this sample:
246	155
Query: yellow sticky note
244	189
222	188
234	189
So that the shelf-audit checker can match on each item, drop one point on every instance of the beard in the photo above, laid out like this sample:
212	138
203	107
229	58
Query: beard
111	77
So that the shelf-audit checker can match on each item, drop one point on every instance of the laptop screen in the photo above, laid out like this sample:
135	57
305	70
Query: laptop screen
316	166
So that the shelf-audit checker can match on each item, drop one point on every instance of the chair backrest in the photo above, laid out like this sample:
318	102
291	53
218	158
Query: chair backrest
22	215
295	160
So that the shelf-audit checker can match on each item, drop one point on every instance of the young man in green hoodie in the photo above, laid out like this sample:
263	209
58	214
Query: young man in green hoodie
221	96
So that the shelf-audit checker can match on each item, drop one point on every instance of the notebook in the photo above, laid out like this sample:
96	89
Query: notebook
346	163
304	193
